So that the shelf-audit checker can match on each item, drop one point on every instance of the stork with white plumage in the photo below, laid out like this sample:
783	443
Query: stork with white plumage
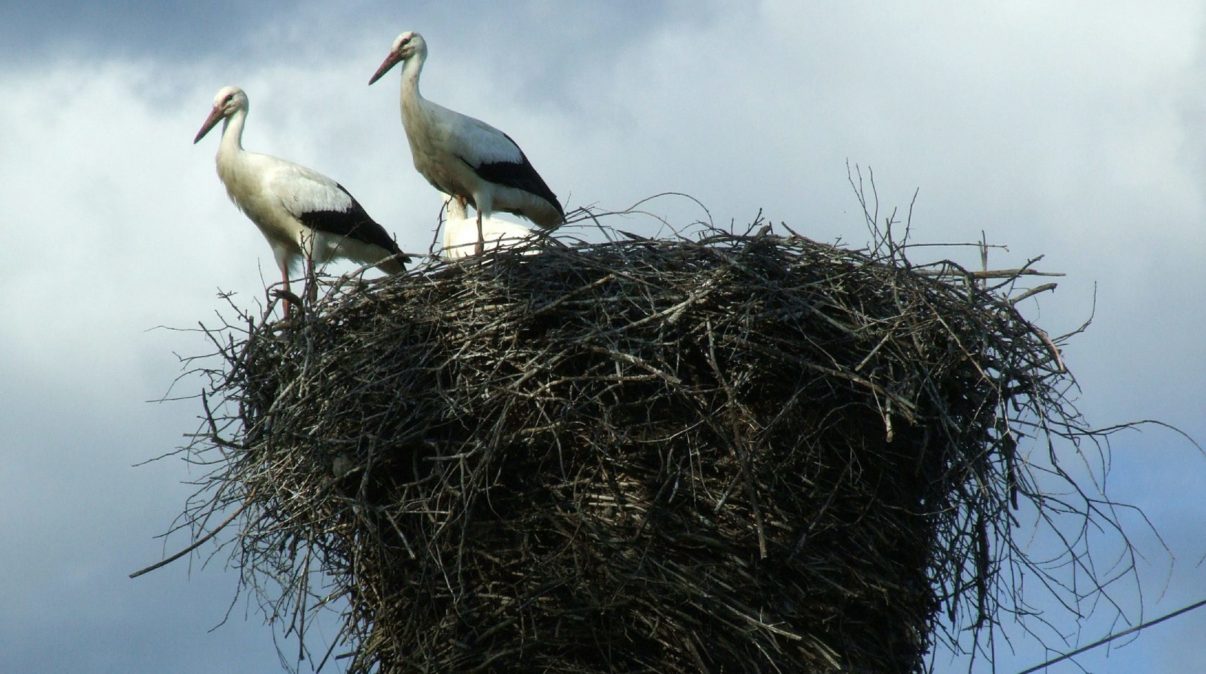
460	231
302	213
463	156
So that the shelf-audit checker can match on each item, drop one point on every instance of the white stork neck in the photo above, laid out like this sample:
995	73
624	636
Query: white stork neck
232	133
410	77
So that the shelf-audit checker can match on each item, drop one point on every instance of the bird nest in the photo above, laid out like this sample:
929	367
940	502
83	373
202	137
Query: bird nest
729	453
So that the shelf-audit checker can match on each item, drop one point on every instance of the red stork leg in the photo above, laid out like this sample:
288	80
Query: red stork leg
480	246
285	280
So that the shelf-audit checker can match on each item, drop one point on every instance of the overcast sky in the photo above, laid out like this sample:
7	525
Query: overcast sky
1074	130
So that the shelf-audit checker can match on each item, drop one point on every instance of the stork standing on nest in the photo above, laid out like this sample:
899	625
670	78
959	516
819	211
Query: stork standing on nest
460	231
463	156
301	212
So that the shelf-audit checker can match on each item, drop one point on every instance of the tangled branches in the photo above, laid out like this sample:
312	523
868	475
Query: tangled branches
743	452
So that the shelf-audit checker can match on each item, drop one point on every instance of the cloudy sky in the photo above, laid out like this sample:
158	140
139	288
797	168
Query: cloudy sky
1074	130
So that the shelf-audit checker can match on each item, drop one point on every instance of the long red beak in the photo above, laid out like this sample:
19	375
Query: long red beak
215	116
389	62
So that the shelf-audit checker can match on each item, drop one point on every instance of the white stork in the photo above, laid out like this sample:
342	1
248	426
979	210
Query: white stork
460	231
301	212
463	156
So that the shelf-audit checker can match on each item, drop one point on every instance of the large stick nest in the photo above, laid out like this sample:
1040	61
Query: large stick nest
737	453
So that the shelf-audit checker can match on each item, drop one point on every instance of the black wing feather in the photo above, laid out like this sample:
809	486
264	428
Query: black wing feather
521	176
353	223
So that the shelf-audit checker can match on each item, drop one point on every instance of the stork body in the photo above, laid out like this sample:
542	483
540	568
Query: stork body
463	156
460	231
302	213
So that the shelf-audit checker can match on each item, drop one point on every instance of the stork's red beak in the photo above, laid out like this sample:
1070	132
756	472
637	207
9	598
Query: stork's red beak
389	62
215	116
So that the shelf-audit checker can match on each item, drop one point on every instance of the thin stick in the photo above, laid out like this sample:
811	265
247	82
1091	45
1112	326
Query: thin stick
196	544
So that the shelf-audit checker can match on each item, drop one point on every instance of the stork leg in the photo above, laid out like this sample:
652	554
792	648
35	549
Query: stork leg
285	280
480	246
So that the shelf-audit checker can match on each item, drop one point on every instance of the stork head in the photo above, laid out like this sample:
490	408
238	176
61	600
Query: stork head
227	101
406	45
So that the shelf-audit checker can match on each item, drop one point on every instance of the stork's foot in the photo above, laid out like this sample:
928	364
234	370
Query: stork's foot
479	247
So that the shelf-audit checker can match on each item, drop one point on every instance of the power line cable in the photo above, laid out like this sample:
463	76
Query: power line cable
1112	637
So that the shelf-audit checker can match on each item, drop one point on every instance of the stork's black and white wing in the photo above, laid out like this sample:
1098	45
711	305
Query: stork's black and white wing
325	206
494	156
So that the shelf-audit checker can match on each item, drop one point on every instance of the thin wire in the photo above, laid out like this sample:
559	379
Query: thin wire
1112	637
